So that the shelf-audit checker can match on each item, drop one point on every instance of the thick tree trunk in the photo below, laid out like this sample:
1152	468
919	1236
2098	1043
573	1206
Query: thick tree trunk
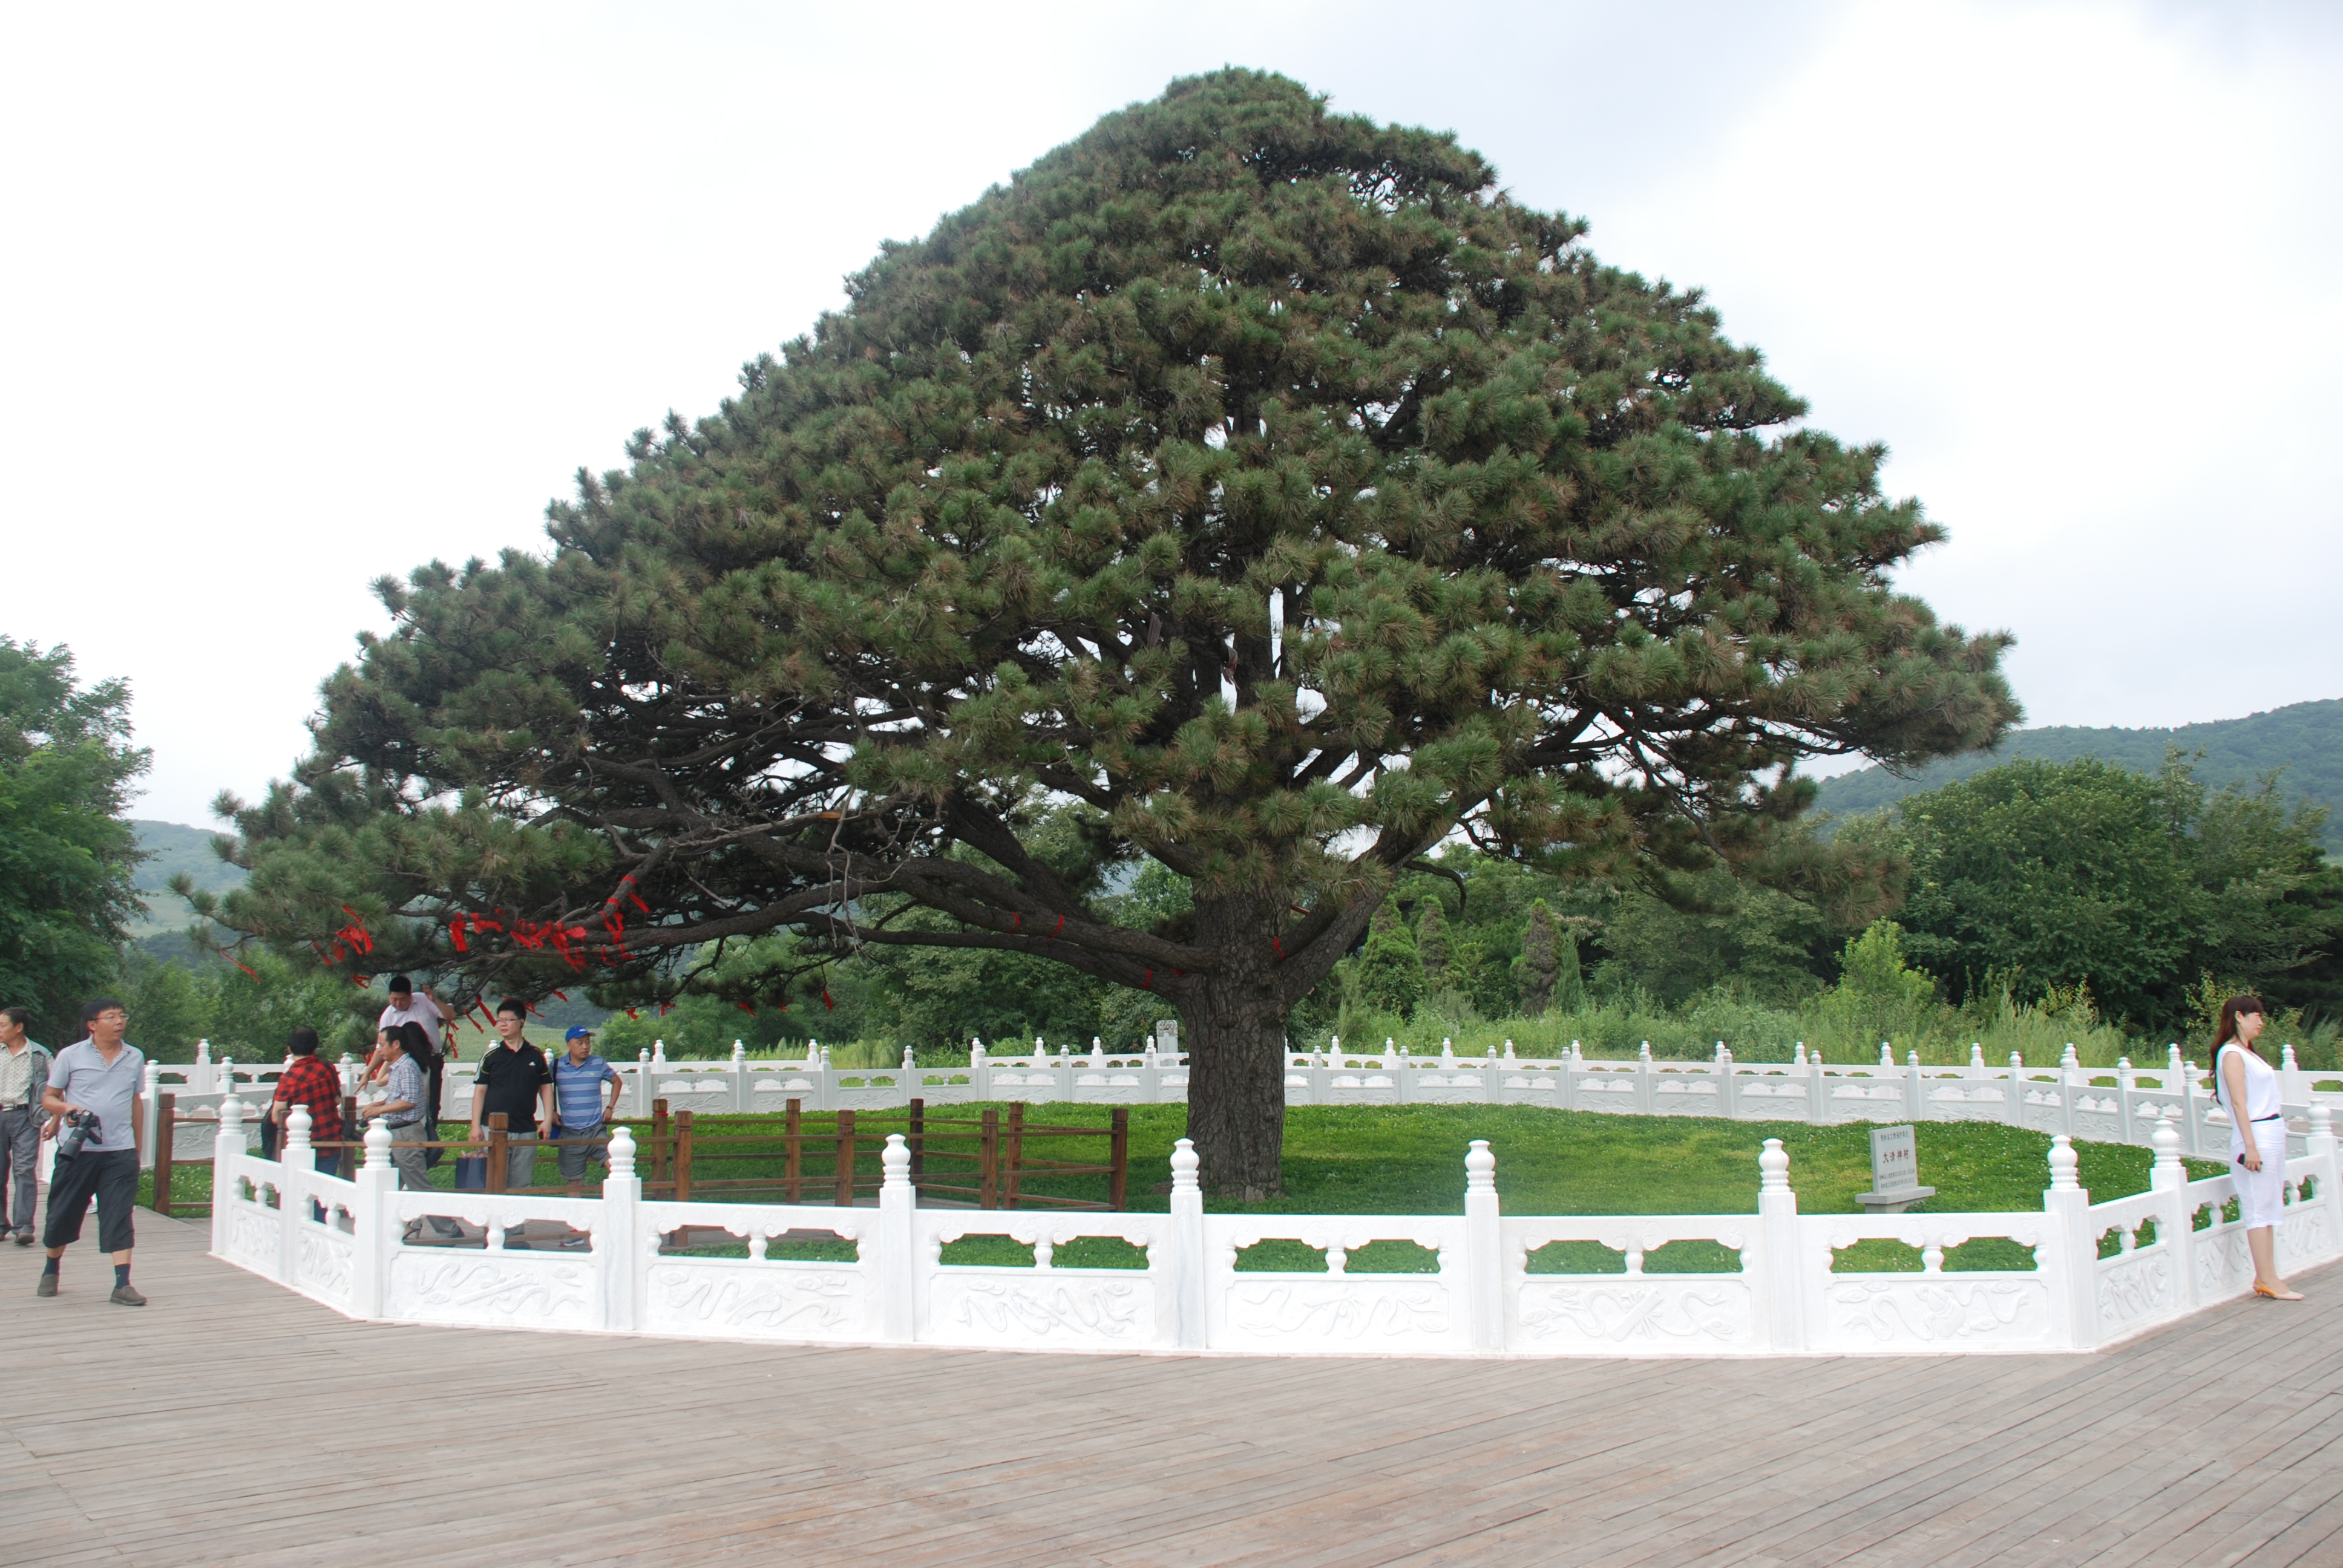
1232	1026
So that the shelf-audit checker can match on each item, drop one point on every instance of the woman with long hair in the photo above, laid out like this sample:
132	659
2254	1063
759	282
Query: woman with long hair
417	1041
2248	1086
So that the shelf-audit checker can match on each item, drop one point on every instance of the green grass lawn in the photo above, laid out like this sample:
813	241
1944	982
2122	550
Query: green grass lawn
1410	1160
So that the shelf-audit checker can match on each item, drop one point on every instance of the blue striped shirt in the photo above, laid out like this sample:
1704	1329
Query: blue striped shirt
578	1091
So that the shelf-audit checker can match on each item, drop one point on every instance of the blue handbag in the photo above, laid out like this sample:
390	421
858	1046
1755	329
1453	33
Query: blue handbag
472	1173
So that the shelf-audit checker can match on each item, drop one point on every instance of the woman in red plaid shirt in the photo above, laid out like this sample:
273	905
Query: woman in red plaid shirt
310	1082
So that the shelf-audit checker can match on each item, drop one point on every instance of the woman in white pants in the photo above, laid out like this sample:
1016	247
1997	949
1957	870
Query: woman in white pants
2248	1090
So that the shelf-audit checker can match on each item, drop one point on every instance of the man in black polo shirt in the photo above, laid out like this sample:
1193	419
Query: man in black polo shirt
515	1078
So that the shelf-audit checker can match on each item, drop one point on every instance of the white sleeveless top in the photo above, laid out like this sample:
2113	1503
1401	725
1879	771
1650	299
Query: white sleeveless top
2261	1086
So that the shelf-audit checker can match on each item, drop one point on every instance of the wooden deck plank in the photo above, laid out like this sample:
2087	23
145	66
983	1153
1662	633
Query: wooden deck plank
232	1421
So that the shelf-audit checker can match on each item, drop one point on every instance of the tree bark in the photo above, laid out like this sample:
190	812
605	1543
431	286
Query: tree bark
1232	1026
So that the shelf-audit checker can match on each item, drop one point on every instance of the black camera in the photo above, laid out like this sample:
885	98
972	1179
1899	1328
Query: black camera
80	1127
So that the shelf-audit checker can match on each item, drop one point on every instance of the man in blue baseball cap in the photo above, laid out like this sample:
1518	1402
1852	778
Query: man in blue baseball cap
580	1108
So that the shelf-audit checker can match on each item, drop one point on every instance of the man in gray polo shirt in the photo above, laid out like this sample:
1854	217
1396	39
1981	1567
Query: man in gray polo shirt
100	1073
24	1080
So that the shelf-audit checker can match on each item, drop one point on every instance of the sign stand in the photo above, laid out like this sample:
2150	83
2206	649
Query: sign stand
1895	1172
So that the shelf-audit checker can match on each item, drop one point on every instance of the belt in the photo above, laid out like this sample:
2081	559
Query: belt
20	1105
2280	1117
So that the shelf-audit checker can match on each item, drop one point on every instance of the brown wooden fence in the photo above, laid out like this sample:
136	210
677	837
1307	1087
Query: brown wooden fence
987	1162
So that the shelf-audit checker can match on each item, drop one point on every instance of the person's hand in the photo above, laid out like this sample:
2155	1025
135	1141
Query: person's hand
2253	1159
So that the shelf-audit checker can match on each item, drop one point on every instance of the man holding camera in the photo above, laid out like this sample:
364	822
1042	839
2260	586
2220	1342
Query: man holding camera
94	1091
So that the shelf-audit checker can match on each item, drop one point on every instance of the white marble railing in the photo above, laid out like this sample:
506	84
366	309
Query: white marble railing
597	1264
2118	1104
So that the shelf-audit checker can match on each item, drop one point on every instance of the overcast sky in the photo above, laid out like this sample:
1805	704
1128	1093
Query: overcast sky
292	298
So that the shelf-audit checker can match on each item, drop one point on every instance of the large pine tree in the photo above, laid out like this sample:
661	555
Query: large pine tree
1268	481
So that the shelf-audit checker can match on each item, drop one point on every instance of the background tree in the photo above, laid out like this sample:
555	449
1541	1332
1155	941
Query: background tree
1432	945
1391	967
1539	968
2082	874
1268	481
66	854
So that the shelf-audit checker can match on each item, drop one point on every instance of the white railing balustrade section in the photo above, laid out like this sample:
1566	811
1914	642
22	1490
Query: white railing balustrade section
597	1264
2111	1105
2121	1104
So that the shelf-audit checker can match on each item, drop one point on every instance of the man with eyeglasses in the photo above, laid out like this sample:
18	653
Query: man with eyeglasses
100	1074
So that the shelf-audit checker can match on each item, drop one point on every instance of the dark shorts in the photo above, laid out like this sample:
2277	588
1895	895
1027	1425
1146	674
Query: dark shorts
111	1175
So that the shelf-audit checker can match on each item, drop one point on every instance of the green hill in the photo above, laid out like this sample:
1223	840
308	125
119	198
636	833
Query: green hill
2304	741
172	848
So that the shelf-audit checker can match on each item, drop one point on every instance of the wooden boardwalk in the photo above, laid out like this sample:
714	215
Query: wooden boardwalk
231	1421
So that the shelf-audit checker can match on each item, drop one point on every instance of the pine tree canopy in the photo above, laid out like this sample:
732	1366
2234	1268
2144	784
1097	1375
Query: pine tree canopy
1265	480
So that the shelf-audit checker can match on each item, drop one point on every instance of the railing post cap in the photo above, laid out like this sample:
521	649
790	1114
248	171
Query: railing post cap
1774	1166
2063	1163
2165	1138
622	1153
1480	1167
895	1160
1183	1165
231	1112
377	1142
296	1125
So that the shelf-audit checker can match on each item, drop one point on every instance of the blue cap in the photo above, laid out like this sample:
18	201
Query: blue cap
579	1031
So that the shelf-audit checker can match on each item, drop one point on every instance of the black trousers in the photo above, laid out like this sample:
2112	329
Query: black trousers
112	1174
431	1119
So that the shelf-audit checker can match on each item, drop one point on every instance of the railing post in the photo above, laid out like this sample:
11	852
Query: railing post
376	1224
1016	1154
227	1151
917	1141
167	1122
1484	1263
987	1162
2075	1250
1186	1236
2170	1179
617	1243
683	1156
792	1170
296	1155
496	1166
1119	1156
2320	1145
899	1283
843	1196
1782	1277
150	1109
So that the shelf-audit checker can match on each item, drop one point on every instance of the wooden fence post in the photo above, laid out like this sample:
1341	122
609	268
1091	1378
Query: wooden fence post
791	1172
844	1195
496	1152
1119	1184
683	1156
1016	1151
988	1162
918	1139
165	1119
659	1141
